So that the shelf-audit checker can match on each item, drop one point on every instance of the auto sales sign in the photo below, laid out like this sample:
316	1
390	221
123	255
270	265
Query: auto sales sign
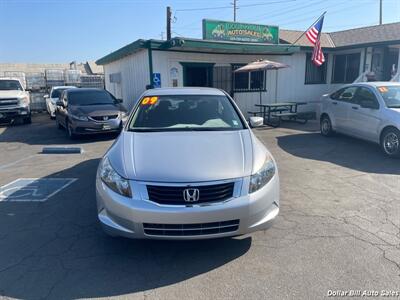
240	32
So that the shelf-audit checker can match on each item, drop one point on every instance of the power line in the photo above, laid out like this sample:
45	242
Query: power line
230	7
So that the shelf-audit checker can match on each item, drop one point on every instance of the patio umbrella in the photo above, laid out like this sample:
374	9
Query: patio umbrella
261	65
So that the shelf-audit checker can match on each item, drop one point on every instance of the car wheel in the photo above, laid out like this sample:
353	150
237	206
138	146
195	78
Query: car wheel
28	120
70	131
58	124
390	142
326	126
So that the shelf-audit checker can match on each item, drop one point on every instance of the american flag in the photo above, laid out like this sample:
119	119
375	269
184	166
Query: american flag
314	32
313	35
317	57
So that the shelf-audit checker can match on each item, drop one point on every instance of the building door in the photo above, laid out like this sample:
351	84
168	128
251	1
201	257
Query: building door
198	74
222	78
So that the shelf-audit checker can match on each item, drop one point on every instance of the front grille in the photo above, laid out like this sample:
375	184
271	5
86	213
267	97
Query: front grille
104	118
190	229
174	194
8	101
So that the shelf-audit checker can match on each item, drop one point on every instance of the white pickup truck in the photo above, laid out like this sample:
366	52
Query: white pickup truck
14	101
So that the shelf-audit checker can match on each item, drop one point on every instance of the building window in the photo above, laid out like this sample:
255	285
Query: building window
248	81
314	74
346	67
115	77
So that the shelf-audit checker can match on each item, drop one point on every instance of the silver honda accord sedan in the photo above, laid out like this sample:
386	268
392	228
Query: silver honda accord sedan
186	166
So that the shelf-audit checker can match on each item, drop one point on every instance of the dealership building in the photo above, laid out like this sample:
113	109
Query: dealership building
226	46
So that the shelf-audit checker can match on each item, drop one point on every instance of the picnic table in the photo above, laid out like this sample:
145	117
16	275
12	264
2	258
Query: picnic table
278	111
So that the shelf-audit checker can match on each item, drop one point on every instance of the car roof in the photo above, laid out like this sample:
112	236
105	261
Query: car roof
377	83
10	78
82	90
184	91
64	87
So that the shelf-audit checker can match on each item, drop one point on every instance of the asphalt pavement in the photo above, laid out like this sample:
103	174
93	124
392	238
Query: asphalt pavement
338	229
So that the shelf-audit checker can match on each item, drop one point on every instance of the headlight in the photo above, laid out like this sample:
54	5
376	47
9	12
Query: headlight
24	101
123	116
263	176
79	117
113	180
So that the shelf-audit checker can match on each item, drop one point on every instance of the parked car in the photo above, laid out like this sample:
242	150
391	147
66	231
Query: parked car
370	111
186	166
14	101
53	97
88	111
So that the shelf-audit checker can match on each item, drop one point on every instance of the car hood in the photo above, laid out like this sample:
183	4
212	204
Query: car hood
96	110
183	156
12	94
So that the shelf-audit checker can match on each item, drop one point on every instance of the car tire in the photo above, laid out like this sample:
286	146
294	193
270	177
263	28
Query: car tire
390	142
326	126
28	120
58	124
70	131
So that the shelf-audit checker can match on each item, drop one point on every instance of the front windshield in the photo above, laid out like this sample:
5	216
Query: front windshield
391	95
57	93
90	98
10	85
185	112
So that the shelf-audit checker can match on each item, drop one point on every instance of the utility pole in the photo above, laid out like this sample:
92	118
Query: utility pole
380	12
169	14
234	10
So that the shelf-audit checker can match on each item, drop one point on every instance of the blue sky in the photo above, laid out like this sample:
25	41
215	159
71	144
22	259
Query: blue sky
65	30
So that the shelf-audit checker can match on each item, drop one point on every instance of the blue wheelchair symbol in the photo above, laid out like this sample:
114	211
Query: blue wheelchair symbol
156	80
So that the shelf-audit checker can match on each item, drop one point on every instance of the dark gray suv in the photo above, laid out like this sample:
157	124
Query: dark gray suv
88	111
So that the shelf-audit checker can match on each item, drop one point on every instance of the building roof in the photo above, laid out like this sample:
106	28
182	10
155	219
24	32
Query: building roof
290	36
367	35
193	45
348	38
93	69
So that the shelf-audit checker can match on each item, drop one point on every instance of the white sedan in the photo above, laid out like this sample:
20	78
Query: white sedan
53	97
370	111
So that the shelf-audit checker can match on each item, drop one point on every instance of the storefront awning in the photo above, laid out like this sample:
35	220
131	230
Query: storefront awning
200	46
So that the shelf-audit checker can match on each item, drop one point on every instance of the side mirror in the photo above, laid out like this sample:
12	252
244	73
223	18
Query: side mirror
120	101
368	104
46	96
60	103
256	121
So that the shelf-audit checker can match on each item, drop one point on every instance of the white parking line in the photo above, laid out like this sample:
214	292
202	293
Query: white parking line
16	162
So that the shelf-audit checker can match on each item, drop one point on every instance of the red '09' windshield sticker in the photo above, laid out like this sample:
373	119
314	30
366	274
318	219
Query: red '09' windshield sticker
149	100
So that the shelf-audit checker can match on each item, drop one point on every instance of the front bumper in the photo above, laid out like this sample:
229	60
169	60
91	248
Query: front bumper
93	127
126	216
9	113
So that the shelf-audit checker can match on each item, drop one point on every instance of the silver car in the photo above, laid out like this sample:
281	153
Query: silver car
186	166
369	111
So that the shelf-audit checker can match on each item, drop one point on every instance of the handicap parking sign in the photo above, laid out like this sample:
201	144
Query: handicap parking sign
33	189
156	80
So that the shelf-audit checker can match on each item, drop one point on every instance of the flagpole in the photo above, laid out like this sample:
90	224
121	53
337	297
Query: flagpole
292	44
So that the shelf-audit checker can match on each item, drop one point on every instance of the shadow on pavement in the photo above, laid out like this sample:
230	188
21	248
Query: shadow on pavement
340	150
43	131
56	249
